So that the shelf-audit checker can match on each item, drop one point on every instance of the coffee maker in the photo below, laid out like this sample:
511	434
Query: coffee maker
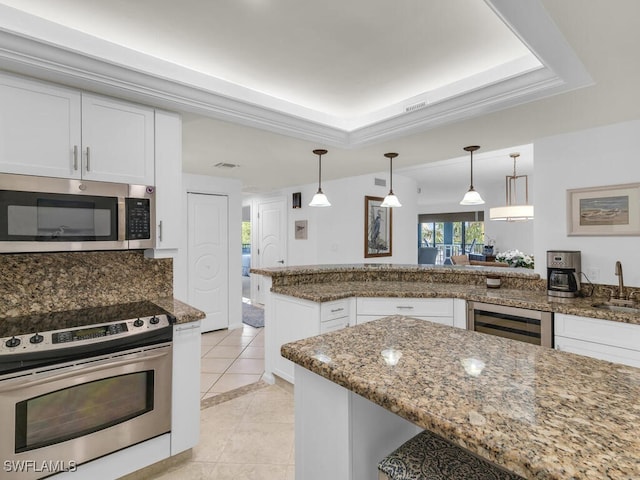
563	273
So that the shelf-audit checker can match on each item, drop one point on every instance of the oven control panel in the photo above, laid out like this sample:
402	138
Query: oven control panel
86	335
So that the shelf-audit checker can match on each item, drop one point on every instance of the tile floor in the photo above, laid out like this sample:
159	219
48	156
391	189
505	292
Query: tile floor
249	437
230	359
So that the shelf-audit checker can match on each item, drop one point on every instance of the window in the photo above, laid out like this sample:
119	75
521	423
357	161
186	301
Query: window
453	233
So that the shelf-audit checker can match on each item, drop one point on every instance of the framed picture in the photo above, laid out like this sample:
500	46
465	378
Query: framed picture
300	230
377	228
609	210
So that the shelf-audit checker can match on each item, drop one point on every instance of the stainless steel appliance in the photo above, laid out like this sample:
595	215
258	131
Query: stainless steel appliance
563	273
531	326
98	380
43	214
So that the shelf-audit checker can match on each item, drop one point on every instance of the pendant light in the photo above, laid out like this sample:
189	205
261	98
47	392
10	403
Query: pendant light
471	197
319	199
391	200
512	212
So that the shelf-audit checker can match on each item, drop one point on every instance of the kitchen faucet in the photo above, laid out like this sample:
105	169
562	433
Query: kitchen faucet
620	296
620	280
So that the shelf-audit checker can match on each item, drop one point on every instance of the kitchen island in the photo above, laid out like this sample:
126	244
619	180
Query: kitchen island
538	412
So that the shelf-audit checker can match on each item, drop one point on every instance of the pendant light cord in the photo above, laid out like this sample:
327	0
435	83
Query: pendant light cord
320	172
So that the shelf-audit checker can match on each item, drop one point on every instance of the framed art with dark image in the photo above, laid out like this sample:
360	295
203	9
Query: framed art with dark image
377	228
608	210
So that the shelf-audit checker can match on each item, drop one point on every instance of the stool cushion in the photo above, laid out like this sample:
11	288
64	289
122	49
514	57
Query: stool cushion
428	456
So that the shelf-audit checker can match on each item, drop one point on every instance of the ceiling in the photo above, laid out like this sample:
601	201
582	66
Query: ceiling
261	83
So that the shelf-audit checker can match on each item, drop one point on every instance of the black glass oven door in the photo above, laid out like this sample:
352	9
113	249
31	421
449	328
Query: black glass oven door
57	217
81	409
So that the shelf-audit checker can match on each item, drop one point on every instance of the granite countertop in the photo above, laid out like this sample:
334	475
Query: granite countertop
392	267
541	413
533	300
521	287
184	313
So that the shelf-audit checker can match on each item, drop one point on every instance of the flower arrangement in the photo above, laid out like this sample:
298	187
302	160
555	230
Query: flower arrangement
515	258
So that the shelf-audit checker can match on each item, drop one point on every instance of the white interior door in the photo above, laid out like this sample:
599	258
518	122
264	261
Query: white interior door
272	243
208	253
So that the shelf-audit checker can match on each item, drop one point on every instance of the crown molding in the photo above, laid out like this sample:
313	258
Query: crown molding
113	70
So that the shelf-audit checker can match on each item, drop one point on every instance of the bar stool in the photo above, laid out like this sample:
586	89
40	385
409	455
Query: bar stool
428	456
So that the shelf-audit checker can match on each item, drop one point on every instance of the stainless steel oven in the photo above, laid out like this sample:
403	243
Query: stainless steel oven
42	214
530	326
71	395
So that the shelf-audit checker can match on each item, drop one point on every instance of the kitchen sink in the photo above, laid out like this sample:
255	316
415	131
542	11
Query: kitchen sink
616	308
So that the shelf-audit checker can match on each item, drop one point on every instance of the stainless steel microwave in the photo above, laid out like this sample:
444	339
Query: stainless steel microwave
43	214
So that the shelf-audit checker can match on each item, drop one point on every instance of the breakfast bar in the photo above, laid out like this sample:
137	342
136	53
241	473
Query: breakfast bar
543	414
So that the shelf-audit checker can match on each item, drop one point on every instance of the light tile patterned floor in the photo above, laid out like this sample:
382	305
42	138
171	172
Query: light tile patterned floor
249	437
230	359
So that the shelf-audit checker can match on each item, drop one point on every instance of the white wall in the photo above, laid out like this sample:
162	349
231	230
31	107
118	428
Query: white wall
336	233
596	157
216	186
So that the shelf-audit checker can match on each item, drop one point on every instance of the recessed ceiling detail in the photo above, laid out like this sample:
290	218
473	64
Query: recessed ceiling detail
282	67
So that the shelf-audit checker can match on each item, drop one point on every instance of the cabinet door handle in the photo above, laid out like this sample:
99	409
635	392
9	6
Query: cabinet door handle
280	261
160	230
404	307
75	157
334	310
88	159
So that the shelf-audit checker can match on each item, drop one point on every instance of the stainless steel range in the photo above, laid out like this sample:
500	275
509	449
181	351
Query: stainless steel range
81	384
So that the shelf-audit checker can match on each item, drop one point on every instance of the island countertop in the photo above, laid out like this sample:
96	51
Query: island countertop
538	412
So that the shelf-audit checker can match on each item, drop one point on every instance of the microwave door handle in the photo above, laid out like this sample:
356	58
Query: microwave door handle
122	219
73	370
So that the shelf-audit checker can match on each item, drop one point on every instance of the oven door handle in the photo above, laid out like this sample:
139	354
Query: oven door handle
73	370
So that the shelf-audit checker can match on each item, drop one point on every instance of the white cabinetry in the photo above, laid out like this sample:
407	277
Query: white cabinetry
438	310
168	152
185	397
39	128
51	131
335	315
603	339
289	319
117	141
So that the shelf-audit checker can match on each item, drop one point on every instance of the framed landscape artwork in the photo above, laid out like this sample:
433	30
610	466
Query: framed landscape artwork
377	228
609	210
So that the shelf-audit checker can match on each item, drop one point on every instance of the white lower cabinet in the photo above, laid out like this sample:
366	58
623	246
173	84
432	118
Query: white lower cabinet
438	310
603	339
289	319
185	396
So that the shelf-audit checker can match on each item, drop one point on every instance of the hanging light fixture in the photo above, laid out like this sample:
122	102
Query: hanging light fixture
319	199
512	212
391	200
471	197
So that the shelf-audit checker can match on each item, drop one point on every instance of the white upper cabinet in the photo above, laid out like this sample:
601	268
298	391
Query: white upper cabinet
51	131
117	141
168	151
39	129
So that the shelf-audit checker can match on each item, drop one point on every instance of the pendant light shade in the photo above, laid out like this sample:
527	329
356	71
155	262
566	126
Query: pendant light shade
319	199
391	200
512	212
471	197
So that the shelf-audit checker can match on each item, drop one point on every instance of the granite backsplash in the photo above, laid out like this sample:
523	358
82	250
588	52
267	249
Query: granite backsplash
52	282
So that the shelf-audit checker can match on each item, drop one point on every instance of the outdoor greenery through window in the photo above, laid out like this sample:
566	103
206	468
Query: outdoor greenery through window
452	233
246	237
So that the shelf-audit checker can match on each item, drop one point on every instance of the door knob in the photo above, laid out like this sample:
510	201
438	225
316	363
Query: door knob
280	261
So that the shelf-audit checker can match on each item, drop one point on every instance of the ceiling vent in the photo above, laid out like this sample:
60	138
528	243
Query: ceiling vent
226	165
415	106
380	182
